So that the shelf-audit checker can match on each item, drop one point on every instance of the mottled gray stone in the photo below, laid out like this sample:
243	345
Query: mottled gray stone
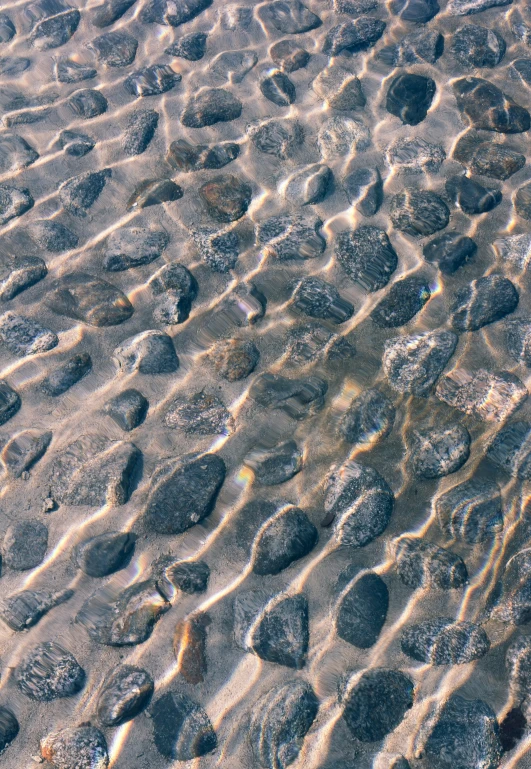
201	414
449	251
319	299
181	727
9	727
469	7
53	22
491	397
49	672
128	409
152	81
115	49
189	577
353	36
439	451
362	608
416	47
487	158
14	202
23	336
511	449
412	364
150	352
191	47
423	564
25	544
107	13
26	272
172	14
15	153
235	359
139	131
364	189
87	103
413	155
286	537
339	88
377	703
419	212
196	157
89	299
343	136
24	609
10	402
367	256
82	747
368	419
419	11
487	107
276	465
471	511
24	450
280	138
297	397
105	553
518	339
69	71
291	236
77	145
126	692
403	301
67	374
443	641
211	106
309	185
289	16
485	300
81	192
133	246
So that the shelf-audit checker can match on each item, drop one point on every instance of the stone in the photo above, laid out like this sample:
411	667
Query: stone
416	47
465	736
14	202
486	107
193	480
307	342
474	46
449	251
52	236
275	630
16	153
437	452
126	618
309	185
491	397
94	470
25	544
289	55
510	449
188	157
362	608
471	196
360	501
139	131
403	301
189	647
514	603
471	511
522	67
518	665
49	672
409	97
512	729
172	14
23	336
174	288
468	7
419	11
280	720
75	144
87	103
80	747
377	703
107	13
355	7
181	727
7	28
115	49
152	81
522	201
153	192
105	553
278	89
419	212
413	363
364	189
319	299
69	71
368	419
366	256
211	106
10	402
126	692
280	138
24	450
519	25
235	359
191	47
276	465
88	299
67	374
299	398
518	340
485	300
26	272
127	409
285	538
415	156
9	727
353	36
291	236
220	250
53	22
133	246
443	641
343	136
81	192
190	577
226	197
199	414
150	352
233	66
422	564
24	609
290	17
234	17
486	157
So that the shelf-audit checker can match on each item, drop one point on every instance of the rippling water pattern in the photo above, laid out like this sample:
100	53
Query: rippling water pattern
264	349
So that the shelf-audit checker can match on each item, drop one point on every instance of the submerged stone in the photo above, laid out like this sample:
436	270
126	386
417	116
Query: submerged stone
412	364
24	609
82	747
105	553
319	299
191	47
353	36
139	131
25	545
87	103
89	299
420	11
289	55
416	47
23	336
423	564
297	397
291	236
182	729
437	452
362	610
152	81
128	409
443	641
290	17
188	157
278	89
133	246
211	106
488	108
288	536
24	450
483	301
474	46
404	300
226	197
172	14
280	138
415	156
49	672
367	256
409	97
151	352
419	212
368	419
471	196
200	414
79	193
126	693
471	511
309	185
115	49
276	465
235	359
106	14
14	202
449	251
377	703
510	449
491	397
66	375
364	189
26	272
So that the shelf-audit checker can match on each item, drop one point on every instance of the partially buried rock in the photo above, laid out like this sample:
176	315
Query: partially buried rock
491	397
235	359
343	136
87	103
280	720
211	106
10	402
126	693
189	577
468	7
128	409
471	196
418	46
276	630
220	250
200	414
319	299
153	192
289	16
53	23
360	501
52	236
7	28
518	664
139	131
24	450
487	158
172	14
14	201
66	375
106	14
419	212
291	236
174	288
16	153
309	185
409	97
415	156
511	449
123	619
25	544
79	193
233	65
70	71
276	465
26	272
474	46
289	55
75	144
449	251
189	157
150	352
377	703
307	342
353	36
189	647
419	11
422	564
277	137
152	81
278	89
405	299
443	641
226	197
518	340
471	511
412	364
115	49
89	299
437	452
9	727
299	398
485	300
105	553
181	727
368	419
191	47
513	603
24	336
488	108
49	672
367	256
80	747
362	608
24	610
193	481
133	246
364	189
288	536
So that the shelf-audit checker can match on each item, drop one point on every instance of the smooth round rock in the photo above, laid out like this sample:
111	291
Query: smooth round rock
126	693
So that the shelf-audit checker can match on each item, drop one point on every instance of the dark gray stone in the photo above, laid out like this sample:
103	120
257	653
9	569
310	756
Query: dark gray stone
491	397
378	702
25	545
362	608
150	352
235	359
409	97
510	449
523	69
518	339
468	7
152	81
513	603
7	28
139	131
76	145
443	641
367	256
471	511
404	300
24	336
87	103
26	272
53	236
423	564
299	398
474	46
308	186
172	13
226	197
485	300
486	157
53	22
368	419
437	452
360	501
289	55
24	450
10	402
133	246
449	251
419	212
9	727
193	481
14	201
128	409
415	156
199	414
277	137
319	299
65	376
174	288
107	13
16	153
276	465
49	672
189	577
81	192
211	106
153	192
105	553
24	610
278	89
487	107
364	188
419	46
189	157
522	201
182	729
518	665
412	364
294	236
89	299
220	250
115	49
419	11
290	17
126	693
79	746
70	71
286	537
353	36
471	196
191	47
